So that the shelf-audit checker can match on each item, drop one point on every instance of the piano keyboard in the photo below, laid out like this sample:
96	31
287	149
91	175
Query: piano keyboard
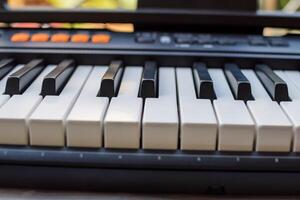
150	107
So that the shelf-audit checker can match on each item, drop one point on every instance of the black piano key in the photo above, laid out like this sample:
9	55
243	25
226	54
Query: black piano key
6	65
111	79
203	81
276	87
19	81
55	81
239	84
148	87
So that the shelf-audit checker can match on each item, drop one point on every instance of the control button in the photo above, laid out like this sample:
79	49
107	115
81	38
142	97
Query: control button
165	39
101	38
20	37
60	37
204	39
182	38
80	38
146	37
257	41
278	42
40	37
226	41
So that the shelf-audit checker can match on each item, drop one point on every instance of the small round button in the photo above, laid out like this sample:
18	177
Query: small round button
165	39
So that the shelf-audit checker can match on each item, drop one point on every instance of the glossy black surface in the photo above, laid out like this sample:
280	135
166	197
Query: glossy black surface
276	87
239	84
55	81
111	79
205	87
19	81
6	65
149	82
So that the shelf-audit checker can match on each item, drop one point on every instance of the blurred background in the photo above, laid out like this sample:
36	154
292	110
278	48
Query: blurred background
286	5
289	6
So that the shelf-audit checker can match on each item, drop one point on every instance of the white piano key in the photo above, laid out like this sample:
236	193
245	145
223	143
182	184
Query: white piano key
160	120
122	124
292	108
131	82
293	89
198	123
221	86
258	90
85	121
293	76
14	114
47	123
236	126
273	128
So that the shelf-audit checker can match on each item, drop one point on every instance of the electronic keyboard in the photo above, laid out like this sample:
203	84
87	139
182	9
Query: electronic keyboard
153	110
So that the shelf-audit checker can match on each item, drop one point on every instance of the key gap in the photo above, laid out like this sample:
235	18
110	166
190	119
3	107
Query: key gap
178	111
194	81
119	73
143	107
255	132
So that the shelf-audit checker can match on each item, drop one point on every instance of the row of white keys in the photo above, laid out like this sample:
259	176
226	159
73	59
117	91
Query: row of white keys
292	108
160	119
85	121
236	128
47	122
122	124
273	128
14	114
198	123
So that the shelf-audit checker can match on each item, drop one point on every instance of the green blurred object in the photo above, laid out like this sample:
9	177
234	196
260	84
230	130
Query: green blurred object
282	3
65	3
100	4
97	4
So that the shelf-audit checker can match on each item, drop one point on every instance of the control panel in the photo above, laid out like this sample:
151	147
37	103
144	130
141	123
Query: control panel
149	41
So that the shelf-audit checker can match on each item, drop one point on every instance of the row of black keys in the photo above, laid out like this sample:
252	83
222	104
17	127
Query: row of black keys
20	80
240	85
54	82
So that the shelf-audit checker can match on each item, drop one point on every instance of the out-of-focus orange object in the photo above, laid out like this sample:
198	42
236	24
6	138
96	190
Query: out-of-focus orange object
20	37
80	38
120	27
101	38
40	37
22	3
60	25
60	37
25	25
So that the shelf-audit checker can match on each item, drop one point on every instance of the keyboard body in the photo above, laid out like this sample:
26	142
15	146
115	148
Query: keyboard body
154	170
